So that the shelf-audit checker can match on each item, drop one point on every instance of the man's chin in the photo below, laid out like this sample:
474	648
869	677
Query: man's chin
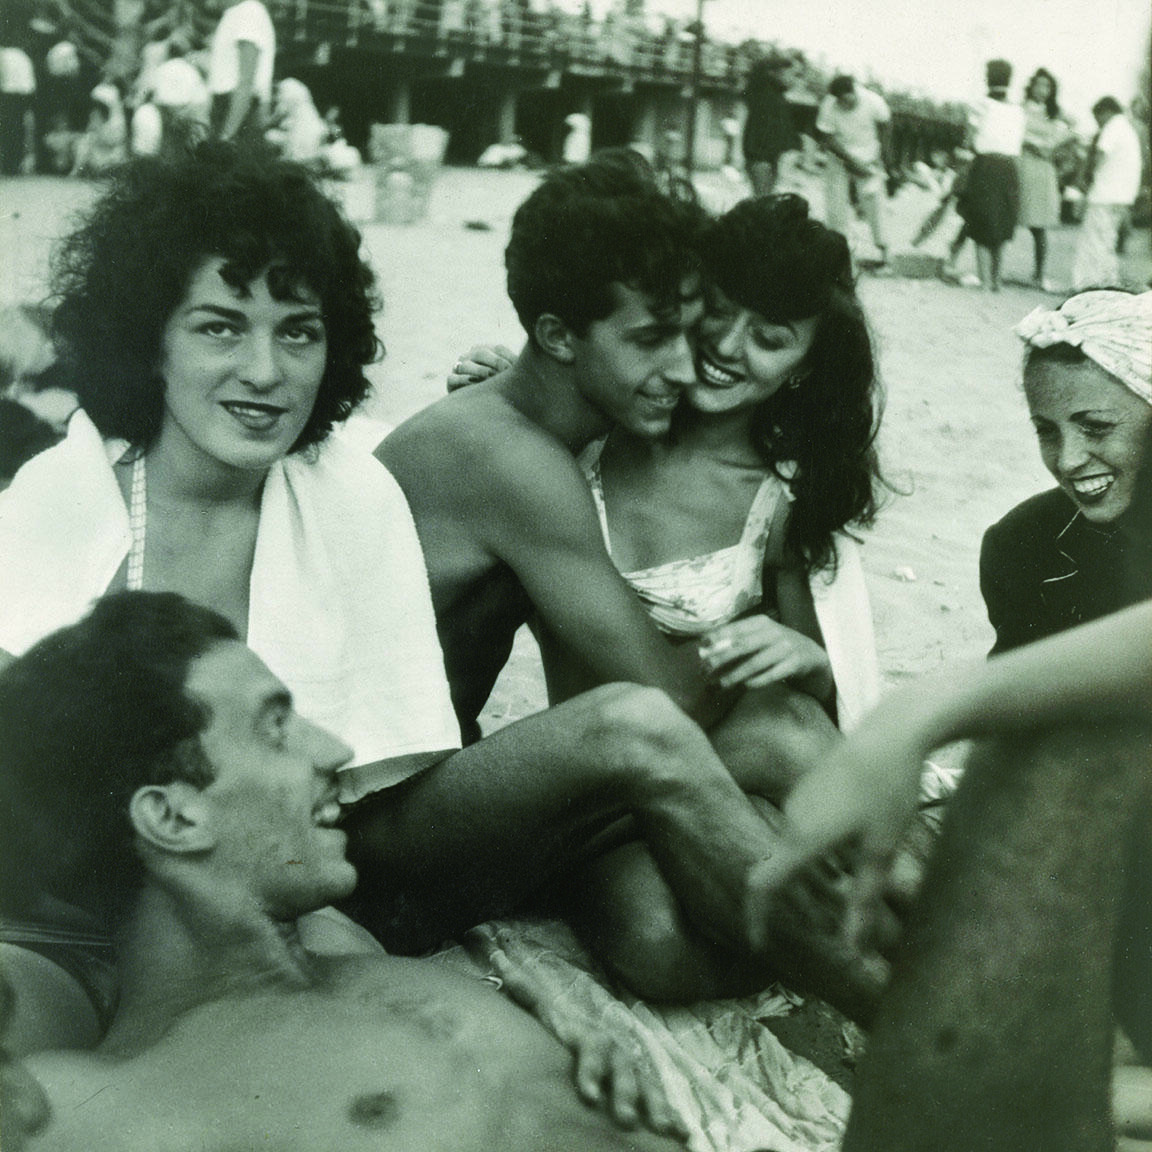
651	428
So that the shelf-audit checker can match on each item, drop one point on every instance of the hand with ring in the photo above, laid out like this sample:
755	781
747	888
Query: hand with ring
479	363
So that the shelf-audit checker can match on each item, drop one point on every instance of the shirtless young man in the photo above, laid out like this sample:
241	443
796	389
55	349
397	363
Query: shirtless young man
602	272
209	829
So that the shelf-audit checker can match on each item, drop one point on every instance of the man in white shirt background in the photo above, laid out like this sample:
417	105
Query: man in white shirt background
1112	184
240	64
853	127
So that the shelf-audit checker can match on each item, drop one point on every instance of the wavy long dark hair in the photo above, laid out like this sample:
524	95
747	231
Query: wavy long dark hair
1051	101
769	256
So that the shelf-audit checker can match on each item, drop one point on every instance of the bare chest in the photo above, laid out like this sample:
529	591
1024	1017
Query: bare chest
207	559
424	1067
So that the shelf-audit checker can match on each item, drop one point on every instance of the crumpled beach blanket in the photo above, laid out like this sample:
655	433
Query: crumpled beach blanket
732	1083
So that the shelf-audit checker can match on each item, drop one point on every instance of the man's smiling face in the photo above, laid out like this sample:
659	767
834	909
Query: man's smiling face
634	364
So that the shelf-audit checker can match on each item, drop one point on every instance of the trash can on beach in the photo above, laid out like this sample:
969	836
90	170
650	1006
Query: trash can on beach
405	159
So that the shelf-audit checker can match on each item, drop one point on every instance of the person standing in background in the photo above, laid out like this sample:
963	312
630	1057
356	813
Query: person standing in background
1044	131
61	107
241	60
17	91
1111	183
990	203
853	126
768	130
181	96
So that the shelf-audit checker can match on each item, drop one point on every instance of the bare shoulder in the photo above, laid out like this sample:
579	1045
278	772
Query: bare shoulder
477	451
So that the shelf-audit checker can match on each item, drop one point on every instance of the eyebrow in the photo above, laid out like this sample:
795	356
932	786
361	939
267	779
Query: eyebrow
302	312
1108	412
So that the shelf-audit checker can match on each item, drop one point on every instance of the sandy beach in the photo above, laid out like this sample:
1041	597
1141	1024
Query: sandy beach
955	440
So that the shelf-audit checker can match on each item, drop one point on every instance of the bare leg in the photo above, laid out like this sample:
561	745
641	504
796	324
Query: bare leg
771	737
627	916
495	823
872	206
997	1031
1039	253
984	265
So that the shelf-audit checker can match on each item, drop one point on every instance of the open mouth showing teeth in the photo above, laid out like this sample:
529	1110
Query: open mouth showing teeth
712	373
247	410
1092	486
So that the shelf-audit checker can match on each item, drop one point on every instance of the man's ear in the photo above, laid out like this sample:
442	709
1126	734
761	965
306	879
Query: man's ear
554	337
172	817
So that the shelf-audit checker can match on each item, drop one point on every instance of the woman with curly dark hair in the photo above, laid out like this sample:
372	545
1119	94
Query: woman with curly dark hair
121	277
214	317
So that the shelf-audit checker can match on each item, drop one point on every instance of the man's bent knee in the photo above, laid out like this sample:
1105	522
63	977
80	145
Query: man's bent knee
640	729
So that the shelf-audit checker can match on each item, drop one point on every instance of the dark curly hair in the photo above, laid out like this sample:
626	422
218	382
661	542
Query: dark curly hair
769	256
119	277
588	226
89	715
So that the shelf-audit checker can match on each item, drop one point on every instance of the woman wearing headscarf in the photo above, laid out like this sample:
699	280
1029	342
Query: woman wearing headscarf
1083	549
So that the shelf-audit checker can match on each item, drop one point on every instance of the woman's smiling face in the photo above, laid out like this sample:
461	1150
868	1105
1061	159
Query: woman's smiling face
1094	436
742	358
241	368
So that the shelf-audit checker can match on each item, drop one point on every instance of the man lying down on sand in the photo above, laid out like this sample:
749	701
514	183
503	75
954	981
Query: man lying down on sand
230	1034
208	828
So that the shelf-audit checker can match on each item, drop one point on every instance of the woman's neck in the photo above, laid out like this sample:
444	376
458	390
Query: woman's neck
726	435
180	472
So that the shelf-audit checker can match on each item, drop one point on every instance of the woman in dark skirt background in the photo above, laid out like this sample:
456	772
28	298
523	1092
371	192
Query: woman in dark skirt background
990	203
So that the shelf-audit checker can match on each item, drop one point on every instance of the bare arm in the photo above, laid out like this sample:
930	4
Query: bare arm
544	526
869	787
482	484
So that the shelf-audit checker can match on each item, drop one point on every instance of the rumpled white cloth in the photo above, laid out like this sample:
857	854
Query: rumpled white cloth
727	1077
339	603
1113	329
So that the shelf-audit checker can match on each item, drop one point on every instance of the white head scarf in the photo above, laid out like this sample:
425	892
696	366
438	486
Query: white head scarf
1113	329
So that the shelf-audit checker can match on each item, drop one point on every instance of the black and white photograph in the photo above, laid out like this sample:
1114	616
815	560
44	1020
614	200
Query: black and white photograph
575	575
